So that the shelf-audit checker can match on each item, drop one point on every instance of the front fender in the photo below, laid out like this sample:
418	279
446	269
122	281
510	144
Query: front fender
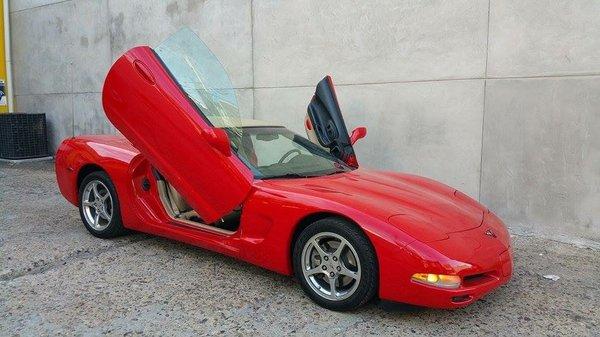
271	218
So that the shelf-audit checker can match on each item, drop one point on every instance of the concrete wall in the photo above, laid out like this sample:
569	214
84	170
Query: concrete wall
498	98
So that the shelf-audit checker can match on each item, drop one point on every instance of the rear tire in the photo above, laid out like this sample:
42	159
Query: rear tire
99	206
320	265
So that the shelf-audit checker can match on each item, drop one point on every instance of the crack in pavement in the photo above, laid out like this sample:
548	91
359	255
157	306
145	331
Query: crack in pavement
77	255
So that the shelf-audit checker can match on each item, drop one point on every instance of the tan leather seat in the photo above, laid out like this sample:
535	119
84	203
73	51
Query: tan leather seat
178	203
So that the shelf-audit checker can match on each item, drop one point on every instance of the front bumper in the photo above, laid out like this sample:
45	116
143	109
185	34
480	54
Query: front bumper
484	263
475	285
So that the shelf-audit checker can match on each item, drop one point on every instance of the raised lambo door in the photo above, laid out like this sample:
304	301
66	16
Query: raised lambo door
167	102
325	125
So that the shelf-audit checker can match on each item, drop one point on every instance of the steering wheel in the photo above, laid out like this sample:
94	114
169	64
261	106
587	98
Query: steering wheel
287	154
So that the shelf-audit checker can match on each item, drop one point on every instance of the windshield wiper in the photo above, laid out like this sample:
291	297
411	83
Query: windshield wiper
298	175
288	175
335	172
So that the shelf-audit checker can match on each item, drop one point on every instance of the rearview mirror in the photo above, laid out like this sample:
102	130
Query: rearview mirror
219	140
358	133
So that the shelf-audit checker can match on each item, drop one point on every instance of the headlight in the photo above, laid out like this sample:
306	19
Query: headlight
437	280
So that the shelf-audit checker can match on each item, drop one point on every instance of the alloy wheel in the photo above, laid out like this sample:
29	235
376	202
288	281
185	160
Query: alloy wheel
331	266
97	205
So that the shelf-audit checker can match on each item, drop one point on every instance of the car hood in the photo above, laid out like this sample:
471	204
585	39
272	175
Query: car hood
423	208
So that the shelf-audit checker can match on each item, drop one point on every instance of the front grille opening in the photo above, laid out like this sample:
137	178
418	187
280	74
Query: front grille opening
477	279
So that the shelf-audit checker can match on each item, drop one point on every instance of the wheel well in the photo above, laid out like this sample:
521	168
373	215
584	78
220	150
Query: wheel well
85	170
306	221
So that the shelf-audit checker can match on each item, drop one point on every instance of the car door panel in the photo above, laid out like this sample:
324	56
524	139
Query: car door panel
325	123
149	108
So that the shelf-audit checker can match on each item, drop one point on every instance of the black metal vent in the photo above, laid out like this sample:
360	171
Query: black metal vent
23	136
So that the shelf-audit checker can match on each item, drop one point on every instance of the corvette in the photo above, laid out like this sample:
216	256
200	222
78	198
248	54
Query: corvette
189	168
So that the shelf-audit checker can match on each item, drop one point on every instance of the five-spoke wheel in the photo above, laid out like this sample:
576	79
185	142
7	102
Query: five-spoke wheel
99	205
336	264
331	265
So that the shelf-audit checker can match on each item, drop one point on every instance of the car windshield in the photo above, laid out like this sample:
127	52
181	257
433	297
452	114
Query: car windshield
276	152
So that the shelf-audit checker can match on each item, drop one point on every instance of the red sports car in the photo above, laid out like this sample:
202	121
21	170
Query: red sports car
189	168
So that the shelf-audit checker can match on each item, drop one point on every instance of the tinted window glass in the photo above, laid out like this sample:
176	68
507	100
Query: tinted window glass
202	77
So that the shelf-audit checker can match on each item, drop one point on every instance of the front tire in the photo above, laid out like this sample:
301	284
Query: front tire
99	206
336	264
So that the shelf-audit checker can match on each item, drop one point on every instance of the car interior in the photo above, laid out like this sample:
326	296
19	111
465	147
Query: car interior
178	209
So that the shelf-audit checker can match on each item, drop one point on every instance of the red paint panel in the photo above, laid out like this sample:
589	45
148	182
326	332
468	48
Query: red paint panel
143	102
275	207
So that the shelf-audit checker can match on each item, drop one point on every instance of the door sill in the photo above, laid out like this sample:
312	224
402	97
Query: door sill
201	226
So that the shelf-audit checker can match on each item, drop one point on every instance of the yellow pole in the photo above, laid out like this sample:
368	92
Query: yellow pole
3	73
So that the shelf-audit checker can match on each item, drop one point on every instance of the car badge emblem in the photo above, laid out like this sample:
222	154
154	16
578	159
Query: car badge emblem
490	233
